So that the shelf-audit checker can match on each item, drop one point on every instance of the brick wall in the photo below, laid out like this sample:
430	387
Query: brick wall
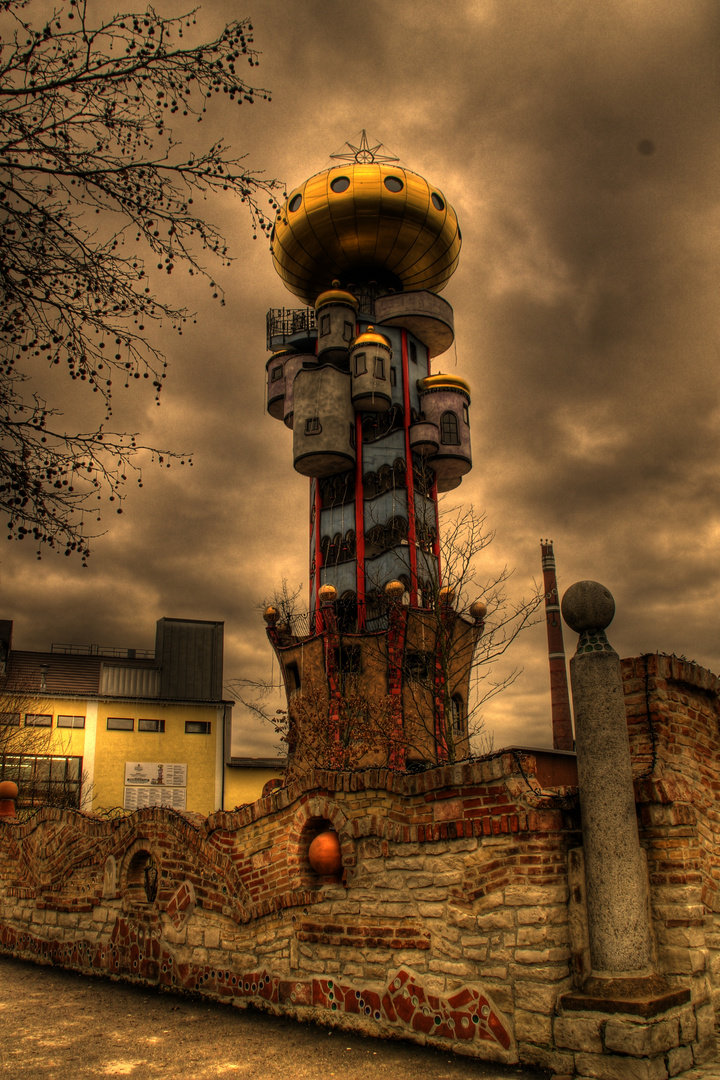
674	726
455	918
430	930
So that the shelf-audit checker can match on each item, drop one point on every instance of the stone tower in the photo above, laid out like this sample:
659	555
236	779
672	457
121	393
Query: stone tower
368	245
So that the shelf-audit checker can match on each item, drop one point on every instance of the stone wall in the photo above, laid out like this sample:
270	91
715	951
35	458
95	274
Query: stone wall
458	917
674	726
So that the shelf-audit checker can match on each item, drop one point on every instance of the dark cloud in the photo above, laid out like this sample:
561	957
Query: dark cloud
578	144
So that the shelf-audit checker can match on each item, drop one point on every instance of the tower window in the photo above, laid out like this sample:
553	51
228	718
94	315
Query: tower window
437	201
295	203
324	325
466	414
393	183
360	363
417	666
393	376
277	373
379	367
292	676
412	351
349	658
339	184
458	715
10	719
348	331
352	435
313	426
349	655
449	435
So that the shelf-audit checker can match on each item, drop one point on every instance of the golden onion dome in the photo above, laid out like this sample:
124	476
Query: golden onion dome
370	337
443	382
336	295
362	224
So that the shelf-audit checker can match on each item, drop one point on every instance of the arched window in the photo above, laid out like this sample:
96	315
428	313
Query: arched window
449	429
458	718
346	614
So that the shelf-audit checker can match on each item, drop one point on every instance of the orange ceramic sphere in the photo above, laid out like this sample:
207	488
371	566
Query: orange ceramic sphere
324	854
8	795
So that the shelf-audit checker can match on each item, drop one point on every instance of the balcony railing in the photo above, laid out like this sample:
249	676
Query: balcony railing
283	323
103	650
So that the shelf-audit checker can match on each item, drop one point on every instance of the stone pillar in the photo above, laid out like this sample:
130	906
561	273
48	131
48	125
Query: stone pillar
616	880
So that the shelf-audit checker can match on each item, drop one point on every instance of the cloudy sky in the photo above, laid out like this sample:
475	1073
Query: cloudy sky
579	146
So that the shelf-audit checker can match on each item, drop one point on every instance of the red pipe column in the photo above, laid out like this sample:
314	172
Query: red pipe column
317	558
359	524
410	479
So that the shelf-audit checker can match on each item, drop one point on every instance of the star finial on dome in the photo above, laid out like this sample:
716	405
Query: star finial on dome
364	153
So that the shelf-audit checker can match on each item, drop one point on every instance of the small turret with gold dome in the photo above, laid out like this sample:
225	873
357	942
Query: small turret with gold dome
368	245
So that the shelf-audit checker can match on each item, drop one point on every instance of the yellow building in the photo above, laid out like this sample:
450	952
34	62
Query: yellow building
247	778
101	728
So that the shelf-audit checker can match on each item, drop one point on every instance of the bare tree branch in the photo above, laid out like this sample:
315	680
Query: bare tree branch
92	185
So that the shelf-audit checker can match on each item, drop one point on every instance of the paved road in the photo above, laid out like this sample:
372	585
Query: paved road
56	1025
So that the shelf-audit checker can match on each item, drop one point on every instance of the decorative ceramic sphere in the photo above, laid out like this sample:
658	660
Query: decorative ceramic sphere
588	605
394	590
327	594
324	854
270	615
447	595
8	795
478	610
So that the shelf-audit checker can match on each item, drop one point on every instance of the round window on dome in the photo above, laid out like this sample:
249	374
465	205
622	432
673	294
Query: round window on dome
393	183
437	201
295	202
339	184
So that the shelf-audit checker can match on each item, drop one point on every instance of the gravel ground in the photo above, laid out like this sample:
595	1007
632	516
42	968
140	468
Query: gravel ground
58	1025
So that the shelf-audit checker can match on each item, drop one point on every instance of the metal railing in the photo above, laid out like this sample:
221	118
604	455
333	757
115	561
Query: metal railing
284	322
103	650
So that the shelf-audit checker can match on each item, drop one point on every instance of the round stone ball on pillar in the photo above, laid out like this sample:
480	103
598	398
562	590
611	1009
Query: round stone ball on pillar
588	605
615	872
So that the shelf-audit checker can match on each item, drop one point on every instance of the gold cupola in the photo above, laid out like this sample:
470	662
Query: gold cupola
365	223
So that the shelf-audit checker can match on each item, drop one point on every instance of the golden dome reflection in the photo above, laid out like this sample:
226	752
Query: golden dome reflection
365	224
